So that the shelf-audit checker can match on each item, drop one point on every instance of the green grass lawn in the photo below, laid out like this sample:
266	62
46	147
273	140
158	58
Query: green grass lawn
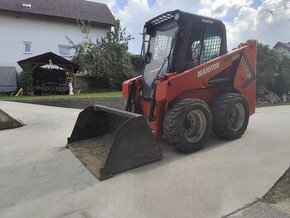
81	95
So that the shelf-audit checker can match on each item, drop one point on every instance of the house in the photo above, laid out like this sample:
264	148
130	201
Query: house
33	27
283	48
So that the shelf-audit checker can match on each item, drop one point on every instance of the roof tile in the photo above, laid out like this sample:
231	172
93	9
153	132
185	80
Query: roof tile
69	9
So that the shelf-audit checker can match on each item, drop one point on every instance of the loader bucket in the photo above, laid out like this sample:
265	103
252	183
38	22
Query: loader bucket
108	141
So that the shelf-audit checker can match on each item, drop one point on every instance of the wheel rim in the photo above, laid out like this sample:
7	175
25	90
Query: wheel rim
194	126
237	117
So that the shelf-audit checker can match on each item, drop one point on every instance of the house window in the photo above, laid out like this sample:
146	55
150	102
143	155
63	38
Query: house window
27	47
64	50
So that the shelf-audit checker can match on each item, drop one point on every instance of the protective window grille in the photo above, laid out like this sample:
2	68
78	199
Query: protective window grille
162	19
211	45
163	45
194	48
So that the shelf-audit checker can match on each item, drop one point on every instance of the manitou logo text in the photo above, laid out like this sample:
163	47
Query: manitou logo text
208	69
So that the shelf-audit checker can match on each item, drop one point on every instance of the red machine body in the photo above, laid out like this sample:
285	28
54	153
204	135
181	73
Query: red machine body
190	86
195	83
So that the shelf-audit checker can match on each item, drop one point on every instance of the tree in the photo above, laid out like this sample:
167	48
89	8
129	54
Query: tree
273	72
267	64
138	63
25	80
107	59
282	82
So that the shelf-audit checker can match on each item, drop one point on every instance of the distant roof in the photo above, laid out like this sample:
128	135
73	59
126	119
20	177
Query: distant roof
283	44
45	58
96	13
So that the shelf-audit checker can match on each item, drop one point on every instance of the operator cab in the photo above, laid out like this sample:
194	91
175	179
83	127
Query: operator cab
177	41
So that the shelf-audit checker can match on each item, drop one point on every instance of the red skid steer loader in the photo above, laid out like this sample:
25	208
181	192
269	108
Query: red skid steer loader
190	84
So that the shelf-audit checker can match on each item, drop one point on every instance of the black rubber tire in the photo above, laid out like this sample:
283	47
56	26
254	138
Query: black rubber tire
221	110
174	121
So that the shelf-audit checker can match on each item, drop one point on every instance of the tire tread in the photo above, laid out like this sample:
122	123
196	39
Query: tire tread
219	110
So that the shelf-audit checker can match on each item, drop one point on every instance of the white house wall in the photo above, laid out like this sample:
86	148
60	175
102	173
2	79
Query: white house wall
45	34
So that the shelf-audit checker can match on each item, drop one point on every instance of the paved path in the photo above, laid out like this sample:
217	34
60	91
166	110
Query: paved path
38	178
264	210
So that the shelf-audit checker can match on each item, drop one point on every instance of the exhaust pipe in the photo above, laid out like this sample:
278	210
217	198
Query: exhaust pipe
108	141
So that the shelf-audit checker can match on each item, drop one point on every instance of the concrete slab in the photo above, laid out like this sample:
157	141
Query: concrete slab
39	178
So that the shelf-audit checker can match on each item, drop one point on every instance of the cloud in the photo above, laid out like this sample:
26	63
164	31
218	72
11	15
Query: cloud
220	8
111	3
244	19
137	12
268	24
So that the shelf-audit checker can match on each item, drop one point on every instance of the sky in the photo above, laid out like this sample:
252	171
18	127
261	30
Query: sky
267	21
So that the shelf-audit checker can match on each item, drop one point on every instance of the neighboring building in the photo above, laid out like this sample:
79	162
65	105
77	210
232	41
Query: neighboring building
33	27
283	48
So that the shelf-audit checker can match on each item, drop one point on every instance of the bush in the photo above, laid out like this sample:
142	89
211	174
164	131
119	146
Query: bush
25	80
138	64
273	73
107	59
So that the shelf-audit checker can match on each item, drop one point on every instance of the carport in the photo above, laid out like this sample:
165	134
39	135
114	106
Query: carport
51	73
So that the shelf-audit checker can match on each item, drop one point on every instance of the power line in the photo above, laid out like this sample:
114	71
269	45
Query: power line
271	12
258	17
256	13
264	15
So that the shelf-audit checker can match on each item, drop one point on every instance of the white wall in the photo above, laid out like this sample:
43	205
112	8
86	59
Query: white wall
45	34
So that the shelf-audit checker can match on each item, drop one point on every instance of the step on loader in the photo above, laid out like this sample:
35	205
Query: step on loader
189	86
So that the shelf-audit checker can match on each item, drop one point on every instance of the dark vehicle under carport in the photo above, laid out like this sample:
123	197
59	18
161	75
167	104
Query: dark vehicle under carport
8	80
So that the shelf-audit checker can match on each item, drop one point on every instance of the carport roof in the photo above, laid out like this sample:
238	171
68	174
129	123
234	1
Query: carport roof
45	58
